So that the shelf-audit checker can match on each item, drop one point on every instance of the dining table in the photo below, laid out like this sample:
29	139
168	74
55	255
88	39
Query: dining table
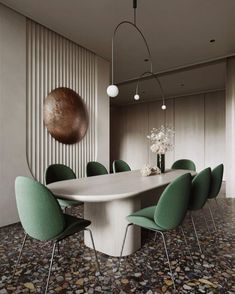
109	199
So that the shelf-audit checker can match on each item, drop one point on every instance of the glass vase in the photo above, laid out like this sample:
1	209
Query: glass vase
161	162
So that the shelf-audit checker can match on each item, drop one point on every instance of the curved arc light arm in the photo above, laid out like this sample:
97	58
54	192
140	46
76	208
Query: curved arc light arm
156	79
143	37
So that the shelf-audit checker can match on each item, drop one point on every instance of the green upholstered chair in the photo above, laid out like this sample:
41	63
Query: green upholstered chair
120	166
167	215
61	172
184	164
42	218
199	194
95	168
216	182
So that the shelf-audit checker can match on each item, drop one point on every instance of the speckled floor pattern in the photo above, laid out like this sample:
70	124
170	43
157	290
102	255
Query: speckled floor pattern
146	271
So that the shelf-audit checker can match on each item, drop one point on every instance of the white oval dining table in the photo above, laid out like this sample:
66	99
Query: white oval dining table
108	199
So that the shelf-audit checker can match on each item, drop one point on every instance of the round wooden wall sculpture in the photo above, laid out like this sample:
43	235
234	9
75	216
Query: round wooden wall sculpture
65	115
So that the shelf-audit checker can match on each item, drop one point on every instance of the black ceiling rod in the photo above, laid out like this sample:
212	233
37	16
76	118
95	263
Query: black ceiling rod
135	6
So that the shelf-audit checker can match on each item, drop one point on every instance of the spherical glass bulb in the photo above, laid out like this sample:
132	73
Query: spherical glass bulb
137	97
163	106
112	91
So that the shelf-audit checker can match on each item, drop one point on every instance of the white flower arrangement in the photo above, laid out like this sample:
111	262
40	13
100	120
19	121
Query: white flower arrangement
148	170
161	139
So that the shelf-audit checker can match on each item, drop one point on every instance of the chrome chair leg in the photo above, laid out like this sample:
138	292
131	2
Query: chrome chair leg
20	254
58	248
220	209
207	226
93	244
167	256
186	242
123	243
212	217
195	231
51	262
155	237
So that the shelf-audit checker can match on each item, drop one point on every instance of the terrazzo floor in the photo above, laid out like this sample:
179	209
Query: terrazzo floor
146	271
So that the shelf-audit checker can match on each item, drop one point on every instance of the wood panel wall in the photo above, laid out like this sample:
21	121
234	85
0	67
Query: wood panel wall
198	121
53	61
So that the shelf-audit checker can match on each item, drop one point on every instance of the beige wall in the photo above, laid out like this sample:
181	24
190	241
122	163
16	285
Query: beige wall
15	82
199	123
12	109
230	127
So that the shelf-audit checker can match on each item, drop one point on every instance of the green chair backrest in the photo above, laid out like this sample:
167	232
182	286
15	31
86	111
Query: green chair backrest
95	168
39	212
200	189
120	166
58	172
216	180
184	164
173	203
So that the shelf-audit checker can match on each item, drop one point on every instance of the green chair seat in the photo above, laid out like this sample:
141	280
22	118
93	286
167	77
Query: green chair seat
58	172
42	218
216	181
200	189
199	194
145	218
171	207
95	168
61	172
120	166
168	214
184	164
72	225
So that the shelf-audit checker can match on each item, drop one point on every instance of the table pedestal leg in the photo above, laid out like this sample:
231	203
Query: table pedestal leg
108	224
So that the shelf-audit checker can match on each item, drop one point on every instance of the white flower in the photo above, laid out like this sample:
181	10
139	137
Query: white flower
161	140
161	135
146	170
154	148
156	170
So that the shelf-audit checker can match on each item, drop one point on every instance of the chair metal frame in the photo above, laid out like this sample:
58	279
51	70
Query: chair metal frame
195	231
165	247
211	213
55	243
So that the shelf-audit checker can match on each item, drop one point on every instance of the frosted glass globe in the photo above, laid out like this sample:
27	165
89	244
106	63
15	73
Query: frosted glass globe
163	107
112	91
137	97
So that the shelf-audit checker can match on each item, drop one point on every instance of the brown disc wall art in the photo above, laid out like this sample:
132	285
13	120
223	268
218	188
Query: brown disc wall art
65	115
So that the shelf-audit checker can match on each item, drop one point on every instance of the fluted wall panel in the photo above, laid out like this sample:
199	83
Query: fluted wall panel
198	122
52	62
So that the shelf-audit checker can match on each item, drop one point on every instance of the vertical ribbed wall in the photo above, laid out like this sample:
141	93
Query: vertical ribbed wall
52	62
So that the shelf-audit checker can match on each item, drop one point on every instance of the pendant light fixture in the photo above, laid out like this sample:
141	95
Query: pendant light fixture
112	90
156	79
